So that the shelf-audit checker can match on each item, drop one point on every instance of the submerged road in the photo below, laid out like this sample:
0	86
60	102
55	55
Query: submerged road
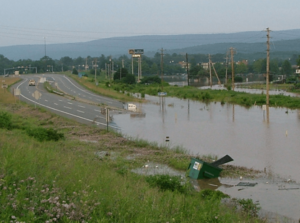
80	111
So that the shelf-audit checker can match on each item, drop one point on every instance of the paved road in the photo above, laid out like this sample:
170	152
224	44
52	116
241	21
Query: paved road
82	112
71	87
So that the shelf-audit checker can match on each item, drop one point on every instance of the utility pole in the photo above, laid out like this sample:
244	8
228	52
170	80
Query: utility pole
132	64
85	63
187	69
122	63
226	68
162	68
209	65
95	66
232	67
111	69
140	66
139	69
268	73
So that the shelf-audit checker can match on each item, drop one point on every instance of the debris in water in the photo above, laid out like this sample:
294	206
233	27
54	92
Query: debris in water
292	188
246	184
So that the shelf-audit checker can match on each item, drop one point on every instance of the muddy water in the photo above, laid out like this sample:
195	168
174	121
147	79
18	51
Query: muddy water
214	129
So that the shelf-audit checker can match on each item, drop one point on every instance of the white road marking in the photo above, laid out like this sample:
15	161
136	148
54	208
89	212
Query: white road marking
67	107
98	123
80	111
55	104
87	91
60	100
97	110
81	106
70	103
46	100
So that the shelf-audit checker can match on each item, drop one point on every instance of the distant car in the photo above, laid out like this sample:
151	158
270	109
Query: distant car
31	83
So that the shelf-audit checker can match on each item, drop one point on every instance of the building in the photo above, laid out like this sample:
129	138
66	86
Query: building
184	64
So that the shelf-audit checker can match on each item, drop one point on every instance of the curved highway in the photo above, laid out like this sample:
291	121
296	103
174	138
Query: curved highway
82	112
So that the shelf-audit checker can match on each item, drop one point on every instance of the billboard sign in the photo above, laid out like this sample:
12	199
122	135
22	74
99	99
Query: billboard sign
131	51
136	51
139	51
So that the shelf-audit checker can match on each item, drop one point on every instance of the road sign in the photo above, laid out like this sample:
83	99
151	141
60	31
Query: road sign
264	107
36	95
17	91
107	115
4	85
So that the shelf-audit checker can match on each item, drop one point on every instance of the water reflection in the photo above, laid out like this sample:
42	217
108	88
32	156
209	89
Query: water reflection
245	134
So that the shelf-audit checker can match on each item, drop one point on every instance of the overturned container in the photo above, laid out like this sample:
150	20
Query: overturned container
199	169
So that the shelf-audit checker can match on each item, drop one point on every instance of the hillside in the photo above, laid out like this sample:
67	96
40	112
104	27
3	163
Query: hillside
244	42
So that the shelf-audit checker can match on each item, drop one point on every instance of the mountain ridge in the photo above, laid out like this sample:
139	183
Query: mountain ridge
197	43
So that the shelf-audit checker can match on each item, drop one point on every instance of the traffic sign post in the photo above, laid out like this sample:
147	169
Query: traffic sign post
36	95
107	118
17	92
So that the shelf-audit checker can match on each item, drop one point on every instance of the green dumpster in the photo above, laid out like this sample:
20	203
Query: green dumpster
200	169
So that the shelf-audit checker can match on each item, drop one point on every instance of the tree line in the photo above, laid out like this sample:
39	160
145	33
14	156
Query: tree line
150	65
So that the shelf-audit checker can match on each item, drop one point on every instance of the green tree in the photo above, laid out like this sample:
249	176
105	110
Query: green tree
286	68
274	69
119	75
298	61
129	79
154	69
74	71
198	71
241	68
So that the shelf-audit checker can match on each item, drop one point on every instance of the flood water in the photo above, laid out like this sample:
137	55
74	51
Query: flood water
219	129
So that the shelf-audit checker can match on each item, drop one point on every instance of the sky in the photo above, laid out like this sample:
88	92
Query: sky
66	21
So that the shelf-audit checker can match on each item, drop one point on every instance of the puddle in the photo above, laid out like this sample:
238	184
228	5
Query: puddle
278	199
151	168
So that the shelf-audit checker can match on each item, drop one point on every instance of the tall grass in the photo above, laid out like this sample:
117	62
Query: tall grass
51	182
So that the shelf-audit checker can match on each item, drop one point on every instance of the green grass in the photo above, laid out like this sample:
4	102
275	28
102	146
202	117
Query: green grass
41	182
64	181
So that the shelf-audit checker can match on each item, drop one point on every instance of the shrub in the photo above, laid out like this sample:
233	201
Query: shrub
208	194
206	96
5	120
249	207
166	182
42	134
